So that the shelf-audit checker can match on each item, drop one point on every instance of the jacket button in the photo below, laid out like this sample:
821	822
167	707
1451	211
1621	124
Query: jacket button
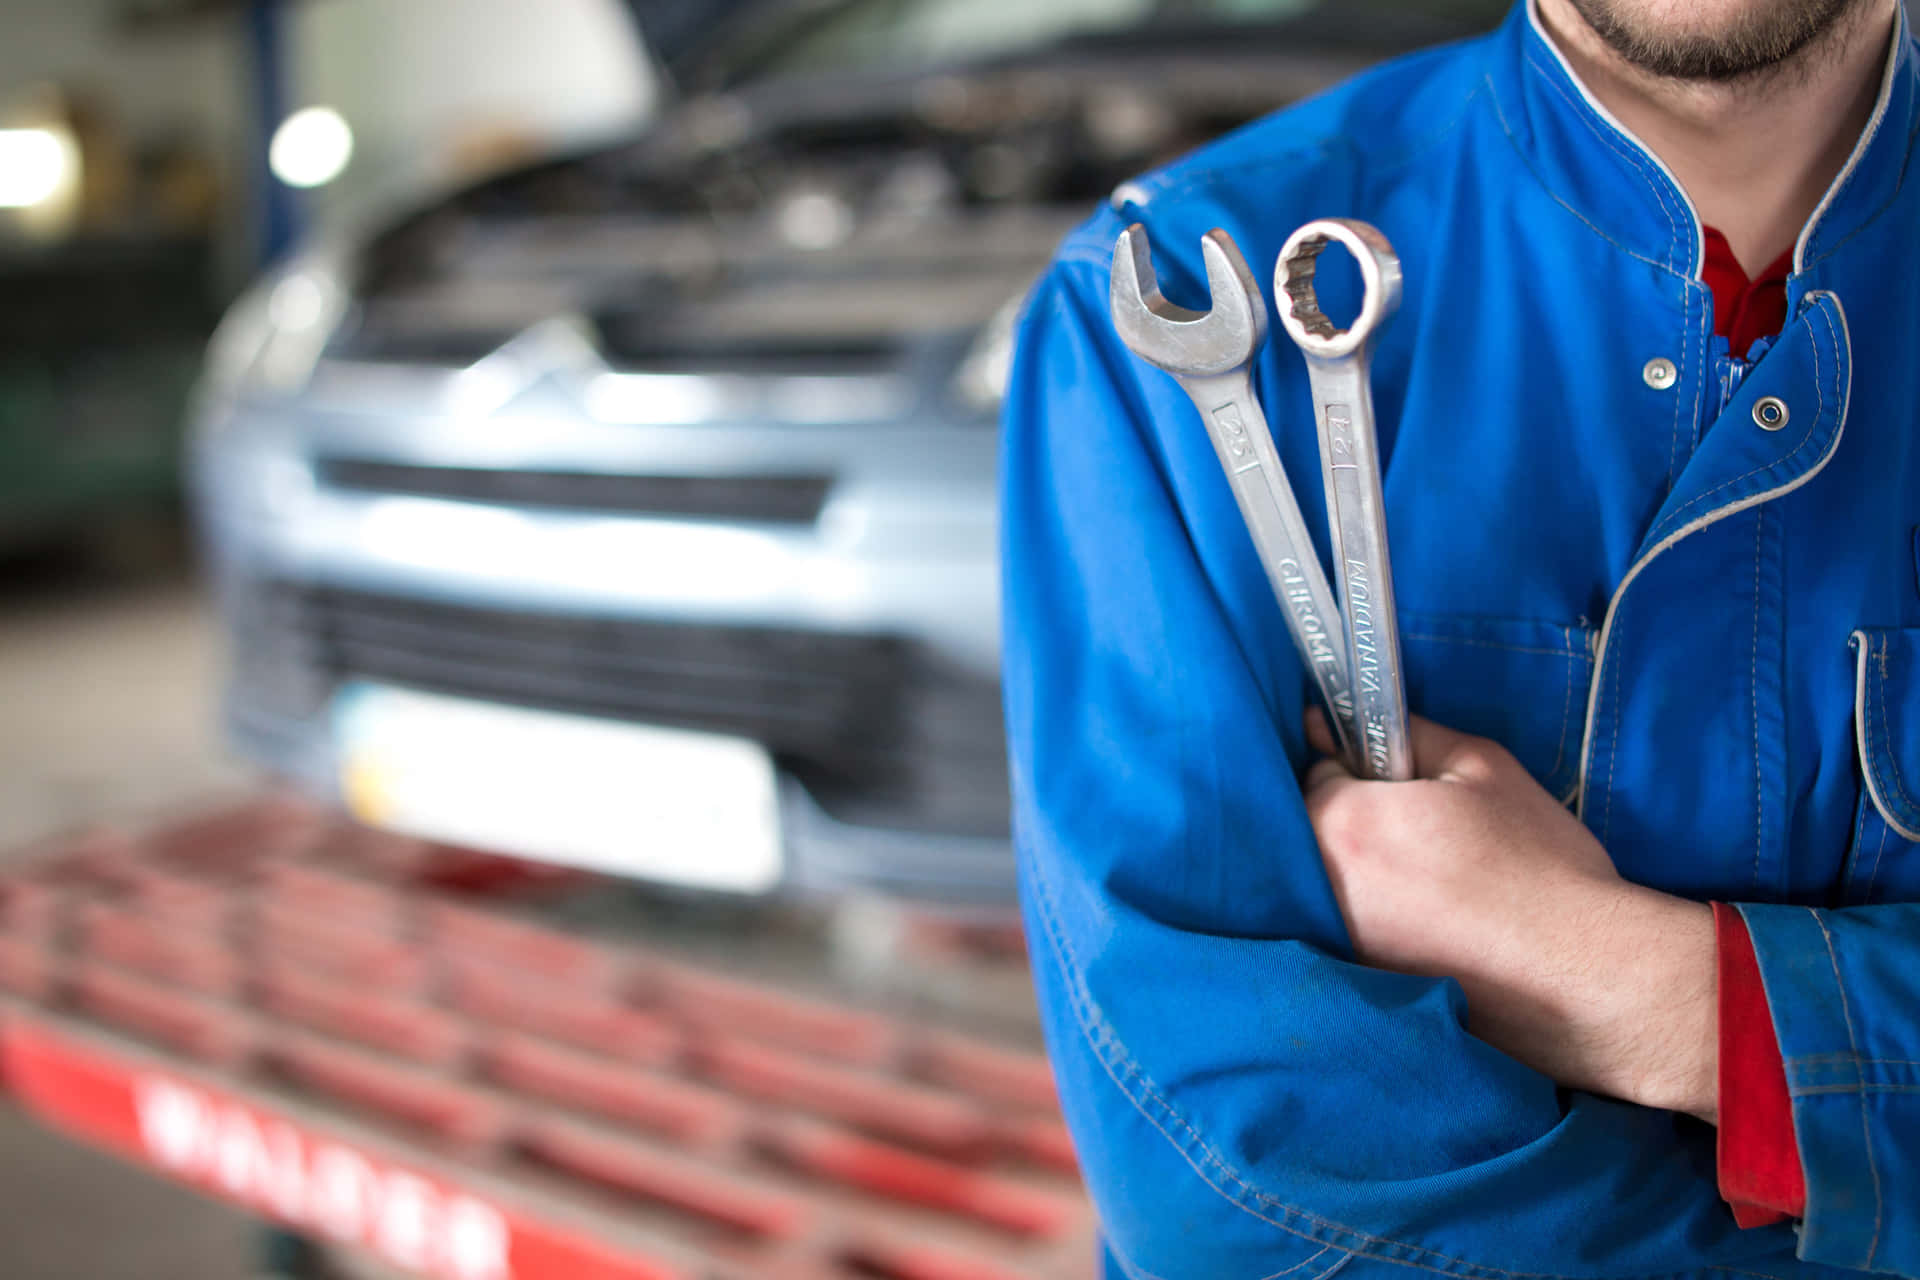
1770	413
1660	373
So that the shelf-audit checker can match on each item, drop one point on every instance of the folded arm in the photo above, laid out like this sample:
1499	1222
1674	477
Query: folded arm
1247	1096
1474	872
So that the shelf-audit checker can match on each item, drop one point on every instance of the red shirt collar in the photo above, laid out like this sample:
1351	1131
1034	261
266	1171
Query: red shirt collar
1744	310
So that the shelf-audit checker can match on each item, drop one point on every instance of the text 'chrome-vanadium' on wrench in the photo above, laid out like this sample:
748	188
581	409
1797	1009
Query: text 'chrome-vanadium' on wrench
1210	354
1352	648
1339	373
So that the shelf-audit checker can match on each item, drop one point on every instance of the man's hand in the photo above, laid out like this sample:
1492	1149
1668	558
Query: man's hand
1473	871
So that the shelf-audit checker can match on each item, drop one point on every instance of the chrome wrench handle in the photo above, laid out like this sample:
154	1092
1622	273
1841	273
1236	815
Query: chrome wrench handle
1339	373
1242	442
1210	355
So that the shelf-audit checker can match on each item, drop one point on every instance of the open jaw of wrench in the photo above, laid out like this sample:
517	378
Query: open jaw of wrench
1338	369
1210	354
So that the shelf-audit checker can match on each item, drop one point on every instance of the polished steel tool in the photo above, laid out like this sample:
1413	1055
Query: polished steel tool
1210	353
1338	369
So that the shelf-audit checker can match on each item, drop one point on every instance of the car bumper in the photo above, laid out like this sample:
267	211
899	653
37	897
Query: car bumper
865	641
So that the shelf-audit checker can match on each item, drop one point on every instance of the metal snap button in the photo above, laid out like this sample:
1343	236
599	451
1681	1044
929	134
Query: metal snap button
1770	413
1660	373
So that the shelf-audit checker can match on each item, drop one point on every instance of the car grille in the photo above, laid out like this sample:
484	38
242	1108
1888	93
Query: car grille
881	732
640	348
765	499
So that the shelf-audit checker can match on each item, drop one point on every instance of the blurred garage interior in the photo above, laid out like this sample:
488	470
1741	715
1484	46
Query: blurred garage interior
498	619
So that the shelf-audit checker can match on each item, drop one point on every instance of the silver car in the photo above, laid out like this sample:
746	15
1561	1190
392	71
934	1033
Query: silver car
637	510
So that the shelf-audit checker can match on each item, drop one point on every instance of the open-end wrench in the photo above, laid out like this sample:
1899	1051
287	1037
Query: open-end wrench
1209	353
1338	369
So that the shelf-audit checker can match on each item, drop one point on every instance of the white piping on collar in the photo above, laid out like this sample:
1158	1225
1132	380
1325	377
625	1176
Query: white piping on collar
1867	136
1599	109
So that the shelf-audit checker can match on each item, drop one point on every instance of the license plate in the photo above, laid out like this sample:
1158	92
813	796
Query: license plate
673	805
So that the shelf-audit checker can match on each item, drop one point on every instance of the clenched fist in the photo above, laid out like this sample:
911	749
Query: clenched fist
1472	871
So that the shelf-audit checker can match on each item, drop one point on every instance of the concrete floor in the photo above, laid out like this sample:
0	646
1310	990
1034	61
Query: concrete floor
109	694
106	697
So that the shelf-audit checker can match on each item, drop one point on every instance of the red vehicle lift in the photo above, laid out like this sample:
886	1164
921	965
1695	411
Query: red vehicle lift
420	1055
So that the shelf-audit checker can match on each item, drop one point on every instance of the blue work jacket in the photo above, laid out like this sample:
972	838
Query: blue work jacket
1701	632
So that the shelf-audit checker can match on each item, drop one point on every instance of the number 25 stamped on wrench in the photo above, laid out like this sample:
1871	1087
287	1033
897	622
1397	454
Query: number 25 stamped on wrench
1356	661
1210	354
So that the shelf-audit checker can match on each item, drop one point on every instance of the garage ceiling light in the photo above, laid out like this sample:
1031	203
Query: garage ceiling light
311	147
35	164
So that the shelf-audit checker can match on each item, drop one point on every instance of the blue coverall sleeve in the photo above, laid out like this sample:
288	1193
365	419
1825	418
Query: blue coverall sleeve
1842	987
1247	1102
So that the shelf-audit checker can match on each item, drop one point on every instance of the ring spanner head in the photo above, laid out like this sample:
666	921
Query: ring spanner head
1183	342
1300	310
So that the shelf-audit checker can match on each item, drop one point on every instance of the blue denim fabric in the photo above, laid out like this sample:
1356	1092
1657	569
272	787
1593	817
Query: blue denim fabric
1704	635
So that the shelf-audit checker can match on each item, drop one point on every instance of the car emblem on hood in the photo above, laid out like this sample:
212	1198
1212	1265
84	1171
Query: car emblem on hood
561	346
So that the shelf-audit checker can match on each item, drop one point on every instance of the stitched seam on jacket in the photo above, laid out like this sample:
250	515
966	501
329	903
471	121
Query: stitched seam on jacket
1673	433
1307	1261
1701	331
1866	1130
1619	147
1874	878
1613	144
1527	163
1476	643
1686	341
1759	789
1613	730
1893	198
1879	792
1819	414
1340	1262
1886	732
1114	1059
1566	714
1857	849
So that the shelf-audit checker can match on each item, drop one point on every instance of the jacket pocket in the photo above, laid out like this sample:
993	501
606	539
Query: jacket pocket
1521	683
1887	738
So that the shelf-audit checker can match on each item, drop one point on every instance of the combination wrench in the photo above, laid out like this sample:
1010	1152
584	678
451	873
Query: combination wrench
1338	370
1210	354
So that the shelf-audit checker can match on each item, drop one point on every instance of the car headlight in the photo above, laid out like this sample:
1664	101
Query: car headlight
980	383
272	336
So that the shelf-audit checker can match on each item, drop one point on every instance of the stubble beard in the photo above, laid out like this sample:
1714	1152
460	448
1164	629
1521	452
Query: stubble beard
1762	43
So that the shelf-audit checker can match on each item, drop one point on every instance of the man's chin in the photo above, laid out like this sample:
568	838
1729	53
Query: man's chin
1713	43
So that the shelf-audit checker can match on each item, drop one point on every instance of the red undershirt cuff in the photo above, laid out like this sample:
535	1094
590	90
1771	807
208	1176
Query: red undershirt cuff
1759	1157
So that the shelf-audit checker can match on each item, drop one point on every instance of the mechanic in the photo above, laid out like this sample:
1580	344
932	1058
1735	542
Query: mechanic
1628	981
